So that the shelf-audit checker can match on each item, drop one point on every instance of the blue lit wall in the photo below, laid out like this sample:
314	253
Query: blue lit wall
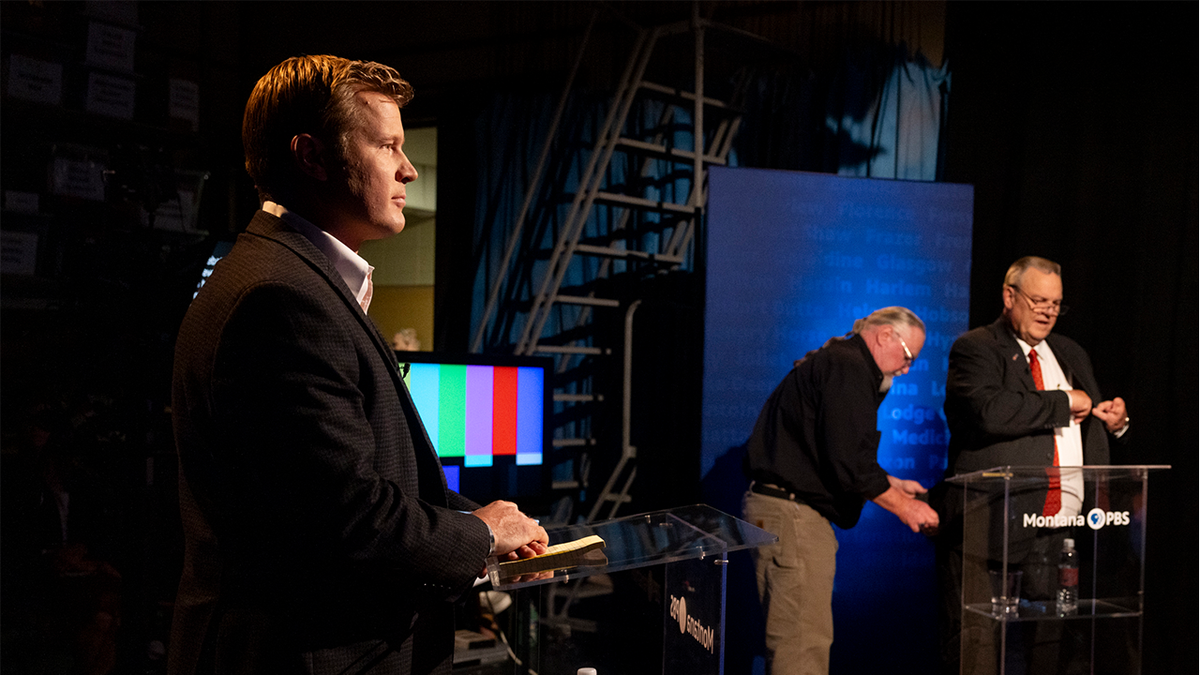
792	259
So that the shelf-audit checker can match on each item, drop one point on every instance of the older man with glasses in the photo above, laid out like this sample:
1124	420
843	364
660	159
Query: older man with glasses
1018	395
812	461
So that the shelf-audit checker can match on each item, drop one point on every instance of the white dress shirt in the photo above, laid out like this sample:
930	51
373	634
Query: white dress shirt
355	271
1068	439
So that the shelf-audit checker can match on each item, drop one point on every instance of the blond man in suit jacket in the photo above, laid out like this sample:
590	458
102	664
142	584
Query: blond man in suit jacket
320	534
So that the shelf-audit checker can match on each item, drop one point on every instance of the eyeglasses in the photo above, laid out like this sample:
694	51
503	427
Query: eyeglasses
1041	304
908	357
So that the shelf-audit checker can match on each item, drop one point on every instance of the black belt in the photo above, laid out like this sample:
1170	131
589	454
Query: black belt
774	491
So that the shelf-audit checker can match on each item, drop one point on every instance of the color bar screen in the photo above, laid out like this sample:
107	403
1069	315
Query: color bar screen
478	412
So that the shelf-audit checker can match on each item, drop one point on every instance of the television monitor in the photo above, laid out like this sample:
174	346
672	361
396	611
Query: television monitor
220	250
488	418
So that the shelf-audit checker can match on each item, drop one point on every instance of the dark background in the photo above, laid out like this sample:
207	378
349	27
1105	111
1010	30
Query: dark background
1077	127
1075	122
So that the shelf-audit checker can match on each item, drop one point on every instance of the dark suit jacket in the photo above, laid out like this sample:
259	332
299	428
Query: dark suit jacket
320	535
996	415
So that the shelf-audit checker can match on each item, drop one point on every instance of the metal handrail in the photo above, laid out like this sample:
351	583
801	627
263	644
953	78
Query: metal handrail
518	225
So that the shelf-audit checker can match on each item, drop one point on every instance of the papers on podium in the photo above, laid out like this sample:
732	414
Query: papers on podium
582	551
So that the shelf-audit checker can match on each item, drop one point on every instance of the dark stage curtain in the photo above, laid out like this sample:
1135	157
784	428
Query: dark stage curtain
880	114
1076	123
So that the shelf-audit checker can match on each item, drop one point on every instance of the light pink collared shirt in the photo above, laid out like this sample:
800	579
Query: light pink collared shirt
355	271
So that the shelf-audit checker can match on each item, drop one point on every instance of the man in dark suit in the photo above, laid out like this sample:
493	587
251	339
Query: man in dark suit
997	416
1018	395
320	535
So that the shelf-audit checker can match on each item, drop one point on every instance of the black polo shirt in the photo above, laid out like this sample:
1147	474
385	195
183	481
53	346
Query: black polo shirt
817	435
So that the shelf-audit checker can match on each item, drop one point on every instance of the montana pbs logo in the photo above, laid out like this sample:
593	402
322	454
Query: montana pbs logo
1095	519
1098	518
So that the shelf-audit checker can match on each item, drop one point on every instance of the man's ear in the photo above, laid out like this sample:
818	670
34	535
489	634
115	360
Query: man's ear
310	156
885	332
1009	296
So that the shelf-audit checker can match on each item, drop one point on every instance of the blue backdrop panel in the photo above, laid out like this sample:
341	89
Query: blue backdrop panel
794	258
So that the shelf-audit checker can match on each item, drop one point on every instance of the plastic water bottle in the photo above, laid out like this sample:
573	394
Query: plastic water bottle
1068	579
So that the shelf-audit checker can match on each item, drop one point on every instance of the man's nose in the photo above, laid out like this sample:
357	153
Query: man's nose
407	172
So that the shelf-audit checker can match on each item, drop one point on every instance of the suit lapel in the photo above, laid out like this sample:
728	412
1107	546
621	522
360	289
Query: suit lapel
1012	352
271	227
1064	362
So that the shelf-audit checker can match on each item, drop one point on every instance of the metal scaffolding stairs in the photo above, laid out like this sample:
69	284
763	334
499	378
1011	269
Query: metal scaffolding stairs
632	213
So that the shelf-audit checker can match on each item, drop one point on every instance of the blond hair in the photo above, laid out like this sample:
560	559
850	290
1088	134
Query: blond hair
308	95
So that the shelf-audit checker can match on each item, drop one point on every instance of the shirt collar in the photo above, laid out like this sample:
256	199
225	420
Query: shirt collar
876	372
1042	348
350	266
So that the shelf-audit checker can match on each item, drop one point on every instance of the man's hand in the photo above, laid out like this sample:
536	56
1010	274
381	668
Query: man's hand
1113	413
1081	405
916	514
515	533
910	488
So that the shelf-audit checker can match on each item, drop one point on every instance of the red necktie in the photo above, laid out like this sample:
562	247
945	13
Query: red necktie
1054	493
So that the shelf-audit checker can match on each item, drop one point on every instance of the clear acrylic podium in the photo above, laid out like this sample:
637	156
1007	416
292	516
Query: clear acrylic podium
653	603
1005	530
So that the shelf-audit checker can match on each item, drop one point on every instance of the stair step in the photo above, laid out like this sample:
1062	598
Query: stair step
613	199
662	151
586	300
572	442
552	349
685	95
578	398
626	254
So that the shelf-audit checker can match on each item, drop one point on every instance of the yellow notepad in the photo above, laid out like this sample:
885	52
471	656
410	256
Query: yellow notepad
556	557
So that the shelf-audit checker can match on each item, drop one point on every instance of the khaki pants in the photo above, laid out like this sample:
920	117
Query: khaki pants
795	584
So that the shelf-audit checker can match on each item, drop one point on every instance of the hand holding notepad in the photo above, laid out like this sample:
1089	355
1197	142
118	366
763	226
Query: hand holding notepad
582	551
